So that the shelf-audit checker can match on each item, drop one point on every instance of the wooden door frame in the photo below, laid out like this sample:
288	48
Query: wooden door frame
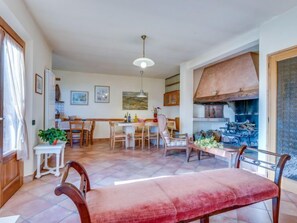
272	59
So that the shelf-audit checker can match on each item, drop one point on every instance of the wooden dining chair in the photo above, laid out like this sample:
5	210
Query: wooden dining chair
171	126
151	133
138	134
76	132
87	132
116	135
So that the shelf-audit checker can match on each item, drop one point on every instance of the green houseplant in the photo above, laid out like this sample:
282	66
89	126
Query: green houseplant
52	135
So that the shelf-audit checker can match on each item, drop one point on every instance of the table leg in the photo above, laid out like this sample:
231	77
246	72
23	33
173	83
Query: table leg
38	156
45	161
62	158
57	165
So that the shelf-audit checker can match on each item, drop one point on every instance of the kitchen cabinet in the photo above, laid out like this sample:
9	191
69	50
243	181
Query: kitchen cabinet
171	98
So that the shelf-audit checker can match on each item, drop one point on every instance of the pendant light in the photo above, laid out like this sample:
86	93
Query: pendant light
141	92
143	61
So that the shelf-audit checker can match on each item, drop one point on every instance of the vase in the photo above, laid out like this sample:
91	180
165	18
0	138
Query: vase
155	117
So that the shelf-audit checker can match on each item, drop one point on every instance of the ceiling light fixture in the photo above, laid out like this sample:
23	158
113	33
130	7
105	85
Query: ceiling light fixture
141	92
143	61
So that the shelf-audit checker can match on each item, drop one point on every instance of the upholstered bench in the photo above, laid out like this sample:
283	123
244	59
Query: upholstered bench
179	198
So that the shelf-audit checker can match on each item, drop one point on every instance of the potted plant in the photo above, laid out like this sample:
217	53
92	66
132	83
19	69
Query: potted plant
52	135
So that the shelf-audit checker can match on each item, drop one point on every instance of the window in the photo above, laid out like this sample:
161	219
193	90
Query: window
13	91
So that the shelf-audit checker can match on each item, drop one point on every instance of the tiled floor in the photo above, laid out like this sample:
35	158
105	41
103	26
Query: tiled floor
36	201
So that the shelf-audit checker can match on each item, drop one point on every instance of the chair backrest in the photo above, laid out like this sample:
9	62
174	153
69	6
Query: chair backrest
88	125
162	122
171	126
76	126
64	125
139	126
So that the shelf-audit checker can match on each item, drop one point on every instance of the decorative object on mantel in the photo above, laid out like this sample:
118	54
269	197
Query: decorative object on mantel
132	102
52	135
57	93
141	92
155	110
79	97
38	84
143	61
102	94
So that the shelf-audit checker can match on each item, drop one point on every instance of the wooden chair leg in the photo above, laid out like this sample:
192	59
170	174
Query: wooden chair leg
189	151
275	209
113	143
199	154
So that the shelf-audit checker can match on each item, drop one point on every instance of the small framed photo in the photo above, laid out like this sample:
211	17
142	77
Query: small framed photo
38	84
79	97
102	94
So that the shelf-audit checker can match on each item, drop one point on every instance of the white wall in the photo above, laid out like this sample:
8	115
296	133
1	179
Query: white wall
275	35
37	57
118	84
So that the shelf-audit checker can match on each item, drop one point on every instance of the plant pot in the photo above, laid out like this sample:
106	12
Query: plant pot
54	142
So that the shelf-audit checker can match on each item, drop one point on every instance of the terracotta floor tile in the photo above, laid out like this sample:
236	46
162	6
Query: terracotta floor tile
68	204
51	215
32	208
253	215
71	219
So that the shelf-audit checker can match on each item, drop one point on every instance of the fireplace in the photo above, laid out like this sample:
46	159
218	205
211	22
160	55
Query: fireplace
237	128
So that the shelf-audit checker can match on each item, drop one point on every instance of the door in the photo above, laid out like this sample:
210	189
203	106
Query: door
11	169
282	107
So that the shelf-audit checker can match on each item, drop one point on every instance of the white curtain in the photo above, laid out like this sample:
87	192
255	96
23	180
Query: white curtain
15	129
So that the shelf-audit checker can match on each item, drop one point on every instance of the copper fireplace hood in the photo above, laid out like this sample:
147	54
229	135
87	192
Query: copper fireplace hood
230	80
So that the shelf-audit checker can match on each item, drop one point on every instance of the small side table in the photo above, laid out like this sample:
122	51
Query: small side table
47	149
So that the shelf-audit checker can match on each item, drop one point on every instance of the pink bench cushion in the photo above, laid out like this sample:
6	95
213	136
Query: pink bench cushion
197	194
134	202
178	198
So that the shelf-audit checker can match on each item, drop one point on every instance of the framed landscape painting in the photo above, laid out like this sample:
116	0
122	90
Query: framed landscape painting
79	97
102	94
132	102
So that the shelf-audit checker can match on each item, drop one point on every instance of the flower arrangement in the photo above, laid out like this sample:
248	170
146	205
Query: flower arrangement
208	143
156	109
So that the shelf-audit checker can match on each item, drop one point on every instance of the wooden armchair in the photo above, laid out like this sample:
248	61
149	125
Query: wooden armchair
178	142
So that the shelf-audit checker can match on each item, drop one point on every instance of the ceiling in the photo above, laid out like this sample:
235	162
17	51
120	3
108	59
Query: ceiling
103	36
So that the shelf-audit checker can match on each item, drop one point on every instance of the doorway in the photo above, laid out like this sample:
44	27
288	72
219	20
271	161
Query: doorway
282	110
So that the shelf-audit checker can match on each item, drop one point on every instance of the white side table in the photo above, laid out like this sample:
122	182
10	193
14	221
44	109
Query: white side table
46	149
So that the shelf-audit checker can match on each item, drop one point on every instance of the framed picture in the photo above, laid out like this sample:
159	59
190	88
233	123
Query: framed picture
102	94
38	84
79	97
132	102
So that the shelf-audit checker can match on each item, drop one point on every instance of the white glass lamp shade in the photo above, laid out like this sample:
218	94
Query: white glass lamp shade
143	62
141	94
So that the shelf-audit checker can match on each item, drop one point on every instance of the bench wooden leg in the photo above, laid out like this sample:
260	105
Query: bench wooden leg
204	220
275	209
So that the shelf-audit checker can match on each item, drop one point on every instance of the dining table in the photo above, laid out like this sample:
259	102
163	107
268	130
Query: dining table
129	129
